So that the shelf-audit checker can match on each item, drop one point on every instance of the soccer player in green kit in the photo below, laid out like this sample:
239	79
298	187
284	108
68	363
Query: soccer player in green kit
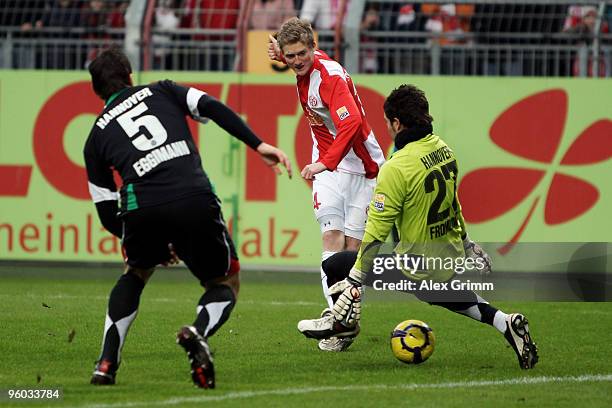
416	191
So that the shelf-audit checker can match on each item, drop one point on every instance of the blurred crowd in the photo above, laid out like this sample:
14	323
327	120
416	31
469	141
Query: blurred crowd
56	22
29	15
446	25
496	25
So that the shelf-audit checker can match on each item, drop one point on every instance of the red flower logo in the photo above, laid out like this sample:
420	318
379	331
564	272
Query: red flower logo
532	129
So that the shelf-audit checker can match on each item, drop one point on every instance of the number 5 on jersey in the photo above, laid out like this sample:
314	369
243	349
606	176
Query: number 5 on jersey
131	125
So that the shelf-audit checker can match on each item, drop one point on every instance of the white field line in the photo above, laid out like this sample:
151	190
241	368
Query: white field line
598	312
246	302
371	387
164	300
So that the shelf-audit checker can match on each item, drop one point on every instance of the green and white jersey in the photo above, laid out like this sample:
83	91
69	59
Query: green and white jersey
417	191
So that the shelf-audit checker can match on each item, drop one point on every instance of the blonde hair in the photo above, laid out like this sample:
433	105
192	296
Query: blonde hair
295	30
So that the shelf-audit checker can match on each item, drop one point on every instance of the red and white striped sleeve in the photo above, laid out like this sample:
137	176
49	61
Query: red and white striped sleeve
345	115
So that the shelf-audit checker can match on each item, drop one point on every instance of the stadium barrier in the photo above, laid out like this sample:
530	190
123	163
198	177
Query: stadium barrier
423	37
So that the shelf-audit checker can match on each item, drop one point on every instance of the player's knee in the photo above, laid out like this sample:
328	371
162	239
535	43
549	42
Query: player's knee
333	240
234	284
352	243
232	280
143	274
332	228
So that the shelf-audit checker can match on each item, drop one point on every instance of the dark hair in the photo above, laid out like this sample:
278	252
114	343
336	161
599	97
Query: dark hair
110	72
409	105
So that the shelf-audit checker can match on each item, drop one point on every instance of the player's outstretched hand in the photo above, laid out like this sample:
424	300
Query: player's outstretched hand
274	52
475	251
272	156
309	171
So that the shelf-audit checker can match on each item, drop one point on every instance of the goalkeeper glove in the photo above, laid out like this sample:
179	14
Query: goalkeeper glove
347	309
475	251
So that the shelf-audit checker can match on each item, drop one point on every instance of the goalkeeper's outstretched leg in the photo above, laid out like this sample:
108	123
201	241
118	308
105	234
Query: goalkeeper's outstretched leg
514	327
347	312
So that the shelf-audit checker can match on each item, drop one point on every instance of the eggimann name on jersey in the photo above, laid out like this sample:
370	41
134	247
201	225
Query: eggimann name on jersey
160	155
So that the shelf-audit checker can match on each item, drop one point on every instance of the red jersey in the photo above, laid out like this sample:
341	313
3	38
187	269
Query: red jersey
342	138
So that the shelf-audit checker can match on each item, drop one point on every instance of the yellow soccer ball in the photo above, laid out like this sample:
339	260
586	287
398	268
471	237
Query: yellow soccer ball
412	341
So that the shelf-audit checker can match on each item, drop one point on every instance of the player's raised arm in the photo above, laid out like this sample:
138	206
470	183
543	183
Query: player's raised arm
274	51
347	121
201	106
229	121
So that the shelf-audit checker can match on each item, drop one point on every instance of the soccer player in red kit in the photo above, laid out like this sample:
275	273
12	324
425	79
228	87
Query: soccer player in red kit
345	154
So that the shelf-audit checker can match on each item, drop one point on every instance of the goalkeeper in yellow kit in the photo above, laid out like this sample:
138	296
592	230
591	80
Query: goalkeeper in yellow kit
416	191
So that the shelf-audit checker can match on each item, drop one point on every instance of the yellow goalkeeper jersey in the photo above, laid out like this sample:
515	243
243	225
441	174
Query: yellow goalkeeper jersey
417	191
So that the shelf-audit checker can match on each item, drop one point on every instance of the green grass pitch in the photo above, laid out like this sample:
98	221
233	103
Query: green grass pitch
262	360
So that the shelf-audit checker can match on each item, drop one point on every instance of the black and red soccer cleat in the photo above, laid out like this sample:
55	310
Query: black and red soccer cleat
104	373
202	369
